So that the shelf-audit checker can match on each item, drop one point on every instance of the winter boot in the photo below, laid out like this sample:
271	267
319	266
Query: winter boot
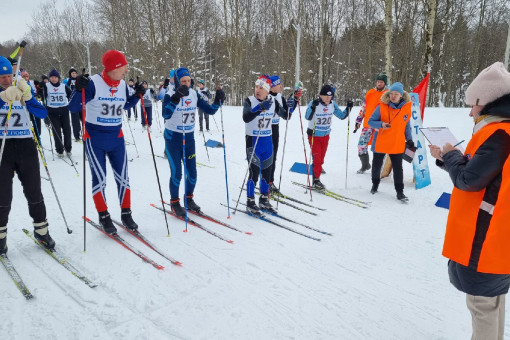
264	203
365	163
273	189
252	207
3	240
191	205
127	219
375	186
42	235
317	185
106	222
176	208
399	188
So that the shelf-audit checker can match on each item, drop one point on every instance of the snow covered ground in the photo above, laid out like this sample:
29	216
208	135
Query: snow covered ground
381	276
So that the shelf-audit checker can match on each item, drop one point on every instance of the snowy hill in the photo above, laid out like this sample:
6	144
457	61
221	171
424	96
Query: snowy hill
381	276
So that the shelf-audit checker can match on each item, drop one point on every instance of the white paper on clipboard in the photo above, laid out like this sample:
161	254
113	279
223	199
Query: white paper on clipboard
440	136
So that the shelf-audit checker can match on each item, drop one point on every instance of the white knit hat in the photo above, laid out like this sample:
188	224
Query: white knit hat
491	84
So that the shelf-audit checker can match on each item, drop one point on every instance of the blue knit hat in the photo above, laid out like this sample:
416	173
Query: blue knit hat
54	73
179	73
399	87
5	66
275	80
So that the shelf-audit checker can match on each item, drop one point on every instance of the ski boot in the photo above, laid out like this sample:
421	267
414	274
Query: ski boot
252	207
127	219
317	185
265	204
191	205
42	235
273	189
106	222
3	240
176	208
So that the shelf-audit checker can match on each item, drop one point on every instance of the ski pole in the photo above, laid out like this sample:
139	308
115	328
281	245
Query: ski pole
311	152
6	129
157	116
155	166
206	149
67	153
248	170
283	153
51	143
132	136
184	170
217	128
304	150
347	153
224	158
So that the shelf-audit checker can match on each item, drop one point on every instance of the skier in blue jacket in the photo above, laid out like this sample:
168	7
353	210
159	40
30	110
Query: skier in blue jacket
179	110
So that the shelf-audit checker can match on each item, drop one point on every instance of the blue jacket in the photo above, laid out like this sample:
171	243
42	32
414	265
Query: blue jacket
341	114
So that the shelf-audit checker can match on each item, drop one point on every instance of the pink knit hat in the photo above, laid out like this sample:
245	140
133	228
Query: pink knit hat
491	84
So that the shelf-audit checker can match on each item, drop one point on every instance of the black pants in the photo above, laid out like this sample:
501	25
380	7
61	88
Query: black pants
20	156
76	120
60	121
133	109
398	172
276	140
201	116
36	123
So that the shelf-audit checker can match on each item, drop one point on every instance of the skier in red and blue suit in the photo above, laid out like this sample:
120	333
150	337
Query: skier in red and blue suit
106	98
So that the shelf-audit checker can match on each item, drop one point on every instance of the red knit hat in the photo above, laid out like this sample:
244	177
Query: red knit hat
113	59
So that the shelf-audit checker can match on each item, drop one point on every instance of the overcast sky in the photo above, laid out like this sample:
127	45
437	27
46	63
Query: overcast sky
21	10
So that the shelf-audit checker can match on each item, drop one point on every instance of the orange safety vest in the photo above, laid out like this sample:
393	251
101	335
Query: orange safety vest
393	140
372	99
464	209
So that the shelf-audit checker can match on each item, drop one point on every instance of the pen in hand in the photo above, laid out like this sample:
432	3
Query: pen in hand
462	141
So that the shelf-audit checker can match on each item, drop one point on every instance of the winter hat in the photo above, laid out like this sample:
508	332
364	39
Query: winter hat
201	81
44	77
145	82
264	81
113	59
275	80
54	73
398	87
491	84
382	77
24	73
180	73
5	66
327	90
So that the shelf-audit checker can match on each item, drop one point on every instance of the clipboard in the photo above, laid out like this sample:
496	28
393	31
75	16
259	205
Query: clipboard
439	136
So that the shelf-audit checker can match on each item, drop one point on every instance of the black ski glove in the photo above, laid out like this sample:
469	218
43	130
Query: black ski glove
410	144
349	104
82	81
166	83
139	90
181	91
315	103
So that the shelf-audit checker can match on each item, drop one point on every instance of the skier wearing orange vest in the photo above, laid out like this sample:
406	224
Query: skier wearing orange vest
477	239
391	120
372	99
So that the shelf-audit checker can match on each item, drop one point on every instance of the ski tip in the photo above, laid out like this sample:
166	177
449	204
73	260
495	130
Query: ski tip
230	241
248	233
153	205
184	231
177	263
228	217
25	231
86	218
160	267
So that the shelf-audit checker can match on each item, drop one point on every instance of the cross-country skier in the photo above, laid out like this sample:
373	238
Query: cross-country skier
131	91
106	96
179	108
258	113
319	114
147	103
288	105
76	118
204	91
36	121
372	99
20	155
57	95
168	84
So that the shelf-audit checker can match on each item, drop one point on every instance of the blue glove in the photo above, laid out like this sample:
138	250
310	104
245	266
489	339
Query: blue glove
291	104
265	105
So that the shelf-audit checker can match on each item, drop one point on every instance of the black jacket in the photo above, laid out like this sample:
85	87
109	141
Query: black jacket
482	171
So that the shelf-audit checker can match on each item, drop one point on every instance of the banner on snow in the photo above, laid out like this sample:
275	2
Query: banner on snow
420	163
